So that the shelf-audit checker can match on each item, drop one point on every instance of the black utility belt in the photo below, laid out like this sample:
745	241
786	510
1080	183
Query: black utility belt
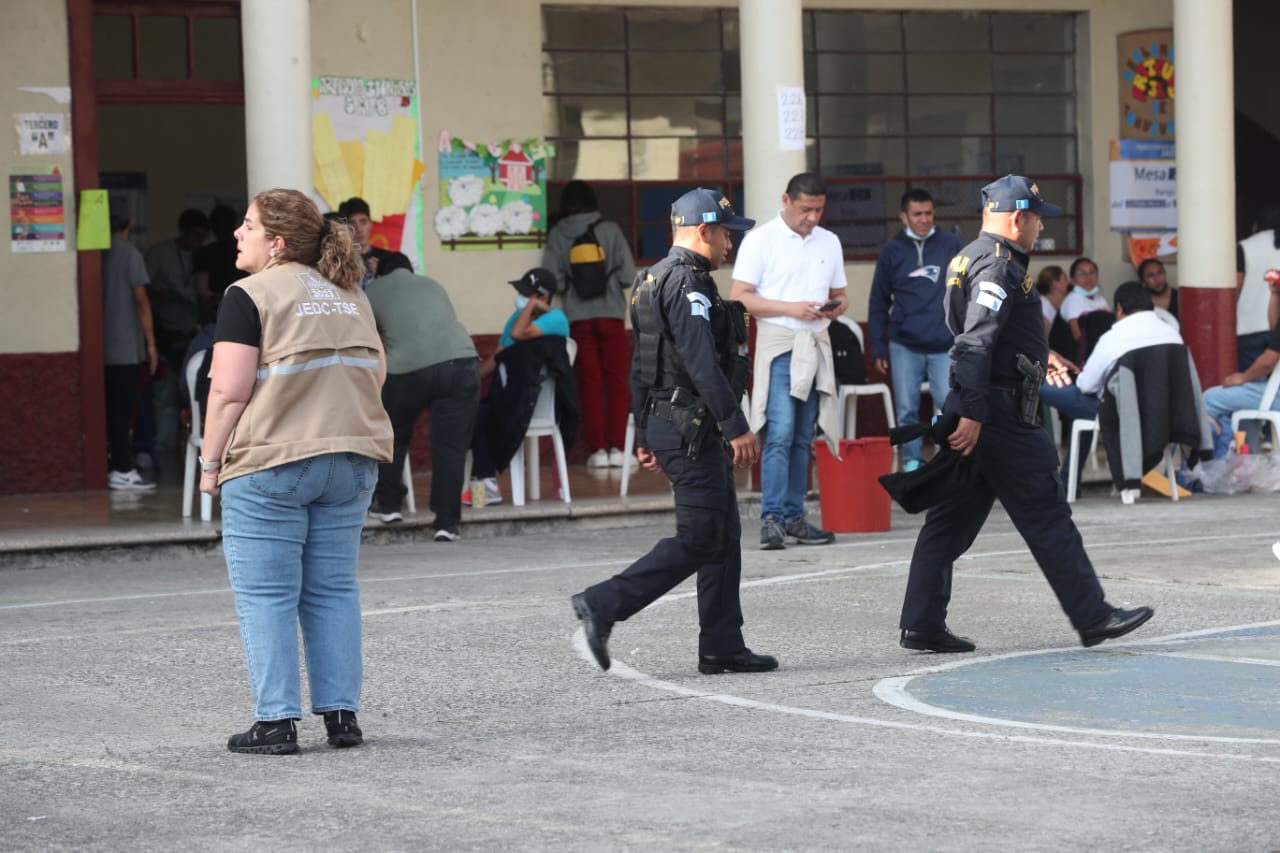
1025	397
1008	386
688	414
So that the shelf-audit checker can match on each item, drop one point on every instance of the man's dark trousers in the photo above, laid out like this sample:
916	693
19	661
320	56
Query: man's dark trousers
708	541
448	392
121	392
1018	464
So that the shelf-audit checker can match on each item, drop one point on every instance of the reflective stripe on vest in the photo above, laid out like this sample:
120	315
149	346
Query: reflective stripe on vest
315	364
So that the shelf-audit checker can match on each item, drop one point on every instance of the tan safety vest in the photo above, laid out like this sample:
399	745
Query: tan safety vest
317	389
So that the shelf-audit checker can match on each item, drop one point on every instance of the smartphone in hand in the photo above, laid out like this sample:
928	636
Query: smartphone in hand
830	306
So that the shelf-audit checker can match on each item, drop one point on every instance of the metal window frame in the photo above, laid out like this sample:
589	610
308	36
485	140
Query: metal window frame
732	184
135	89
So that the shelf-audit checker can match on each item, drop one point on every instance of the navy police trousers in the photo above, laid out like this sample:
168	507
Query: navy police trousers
1017	463
707	541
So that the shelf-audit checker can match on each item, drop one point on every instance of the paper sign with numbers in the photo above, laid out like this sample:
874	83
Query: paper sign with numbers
791	118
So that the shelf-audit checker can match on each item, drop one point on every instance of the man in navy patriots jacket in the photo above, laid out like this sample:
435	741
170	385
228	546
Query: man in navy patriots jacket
908	331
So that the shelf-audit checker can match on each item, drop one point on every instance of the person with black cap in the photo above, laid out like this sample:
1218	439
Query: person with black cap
688	372
533	318
998	364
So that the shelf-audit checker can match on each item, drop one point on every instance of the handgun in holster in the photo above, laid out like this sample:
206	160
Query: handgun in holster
1029	398
689	415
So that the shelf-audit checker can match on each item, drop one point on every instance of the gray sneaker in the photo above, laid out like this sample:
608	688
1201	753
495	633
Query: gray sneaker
771	534
802	532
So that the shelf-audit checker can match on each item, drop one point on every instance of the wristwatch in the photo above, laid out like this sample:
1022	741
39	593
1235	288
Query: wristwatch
207	465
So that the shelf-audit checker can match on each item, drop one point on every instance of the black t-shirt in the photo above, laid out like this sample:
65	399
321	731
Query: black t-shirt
238	319
218	260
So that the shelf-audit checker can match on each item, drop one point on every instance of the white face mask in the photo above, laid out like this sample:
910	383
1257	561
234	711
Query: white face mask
1083	292
521	302
914	236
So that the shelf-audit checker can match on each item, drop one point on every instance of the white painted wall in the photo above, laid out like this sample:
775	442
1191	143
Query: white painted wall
38	291
480	75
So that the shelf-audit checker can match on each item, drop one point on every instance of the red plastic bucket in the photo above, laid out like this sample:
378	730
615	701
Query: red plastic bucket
851	497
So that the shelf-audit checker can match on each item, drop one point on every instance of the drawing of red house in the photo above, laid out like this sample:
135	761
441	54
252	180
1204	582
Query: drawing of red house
515	170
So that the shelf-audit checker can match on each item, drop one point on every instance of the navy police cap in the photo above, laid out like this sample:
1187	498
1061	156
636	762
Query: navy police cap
702	205
1014	192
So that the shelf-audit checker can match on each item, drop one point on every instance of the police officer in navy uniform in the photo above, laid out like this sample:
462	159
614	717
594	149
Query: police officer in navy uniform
997	364
688	373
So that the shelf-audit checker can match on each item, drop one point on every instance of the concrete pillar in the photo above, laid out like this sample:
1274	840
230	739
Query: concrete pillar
277	94
772	51
1206	184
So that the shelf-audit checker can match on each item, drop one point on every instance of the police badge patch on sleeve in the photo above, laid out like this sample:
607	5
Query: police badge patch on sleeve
991	295
699	305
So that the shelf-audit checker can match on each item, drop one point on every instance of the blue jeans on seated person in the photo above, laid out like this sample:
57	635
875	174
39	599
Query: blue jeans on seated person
1072	403
907	369
292	540
784	463
1221	400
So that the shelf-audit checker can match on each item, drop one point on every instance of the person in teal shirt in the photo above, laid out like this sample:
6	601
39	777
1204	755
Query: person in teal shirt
533	306
533	318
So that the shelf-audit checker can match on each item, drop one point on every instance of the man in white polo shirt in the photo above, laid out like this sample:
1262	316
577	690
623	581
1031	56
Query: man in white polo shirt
789	274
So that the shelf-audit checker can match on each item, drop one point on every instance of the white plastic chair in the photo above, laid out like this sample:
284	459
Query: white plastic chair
1073	457
1127	496
1055	425
407	476
1263	412
195	441
628	450
850	393
543	422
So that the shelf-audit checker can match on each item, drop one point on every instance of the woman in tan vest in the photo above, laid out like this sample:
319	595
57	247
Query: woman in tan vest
294	431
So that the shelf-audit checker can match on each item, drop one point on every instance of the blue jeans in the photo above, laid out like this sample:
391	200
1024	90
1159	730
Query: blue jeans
907	369
1221	400
292	540
784	464
1070	401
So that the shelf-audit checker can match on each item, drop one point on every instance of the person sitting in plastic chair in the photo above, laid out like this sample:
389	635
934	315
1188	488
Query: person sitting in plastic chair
1136	326
533	318
1244	389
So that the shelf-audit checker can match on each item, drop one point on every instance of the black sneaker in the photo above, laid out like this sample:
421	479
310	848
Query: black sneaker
343	729
804	533
275	737
771	534
386	516
445	534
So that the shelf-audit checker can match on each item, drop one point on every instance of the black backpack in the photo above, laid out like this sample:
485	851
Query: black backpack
846	353
588	272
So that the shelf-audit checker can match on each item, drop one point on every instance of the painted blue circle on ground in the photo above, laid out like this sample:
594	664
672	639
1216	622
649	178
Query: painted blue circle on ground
1224	685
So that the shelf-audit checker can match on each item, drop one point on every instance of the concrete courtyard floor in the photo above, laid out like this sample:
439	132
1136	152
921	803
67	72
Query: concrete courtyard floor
488	728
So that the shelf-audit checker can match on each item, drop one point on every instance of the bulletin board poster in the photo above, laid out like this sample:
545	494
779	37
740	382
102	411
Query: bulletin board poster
365	138
493	195
1146	79
37	218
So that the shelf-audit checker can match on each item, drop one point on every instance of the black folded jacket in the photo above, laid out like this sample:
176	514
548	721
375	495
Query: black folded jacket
947	473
